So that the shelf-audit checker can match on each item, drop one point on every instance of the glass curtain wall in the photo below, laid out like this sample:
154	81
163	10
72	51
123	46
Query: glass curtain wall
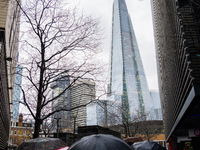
127	81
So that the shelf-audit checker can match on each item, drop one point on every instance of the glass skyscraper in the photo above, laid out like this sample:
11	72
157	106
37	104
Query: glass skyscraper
128	85
17	92
157	112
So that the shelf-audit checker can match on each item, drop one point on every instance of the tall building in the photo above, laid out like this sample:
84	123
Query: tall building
17	92
128	83
81	93
9	30
63	101
155	98
177	40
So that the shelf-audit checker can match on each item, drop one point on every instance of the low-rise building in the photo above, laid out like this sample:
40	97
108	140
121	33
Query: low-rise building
20	131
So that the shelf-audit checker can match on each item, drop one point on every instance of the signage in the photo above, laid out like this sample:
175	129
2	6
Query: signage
194	132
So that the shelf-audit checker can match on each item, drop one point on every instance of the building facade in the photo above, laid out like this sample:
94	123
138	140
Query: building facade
128	84
155	98
97	113
20	131
177	41
17	92
80	94
9	30
91	111
63	101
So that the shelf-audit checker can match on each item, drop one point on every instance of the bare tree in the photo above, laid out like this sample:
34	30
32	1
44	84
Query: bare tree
148	129
56	40
121	121
47	127
135	126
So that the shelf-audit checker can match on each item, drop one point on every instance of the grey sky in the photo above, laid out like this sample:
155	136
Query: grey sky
141	16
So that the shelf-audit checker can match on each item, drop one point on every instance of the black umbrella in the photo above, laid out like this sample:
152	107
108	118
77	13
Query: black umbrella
42	143
147	145
100	142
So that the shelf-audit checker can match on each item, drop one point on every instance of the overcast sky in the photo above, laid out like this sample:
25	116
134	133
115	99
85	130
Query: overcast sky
141	16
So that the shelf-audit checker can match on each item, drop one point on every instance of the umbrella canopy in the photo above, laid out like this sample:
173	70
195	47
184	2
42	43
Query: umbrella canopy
147	145
63	148
100	142
42	143
132	140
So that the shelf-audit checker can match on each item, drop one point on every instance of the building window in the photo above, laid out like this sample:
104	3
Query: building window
24	132
14	141
15	131
13	124
11	131
10	141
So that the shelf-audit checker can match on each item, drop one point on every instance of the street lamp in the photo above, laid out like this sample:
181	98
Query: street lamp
57	120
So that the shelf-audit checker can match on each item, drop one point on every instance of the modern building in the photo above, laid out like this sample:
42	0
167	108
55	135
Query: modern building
155	98
9	30
17	92
177	40
128	82
91	113
97	113
63	101
20	131
80	94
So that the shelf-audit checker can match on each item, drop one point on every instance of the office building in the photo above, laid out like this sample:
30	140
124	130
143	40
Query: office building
91	113
97	113
63	101
80	94
17	92
177	40
155	98
128	84
9	30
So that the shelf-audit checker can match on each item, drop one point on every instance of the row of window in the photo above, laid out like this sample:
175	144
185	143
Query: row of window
15	132
14	141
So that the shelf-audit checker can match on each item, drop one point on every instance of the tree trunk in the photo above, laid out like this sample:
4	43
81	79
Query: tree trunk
125	129
37	128
129	134
40	94
148	136
45	134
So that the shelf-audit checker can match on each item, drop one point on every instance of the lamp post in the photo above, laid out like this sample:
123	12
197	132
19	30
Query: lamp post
74	117
57	120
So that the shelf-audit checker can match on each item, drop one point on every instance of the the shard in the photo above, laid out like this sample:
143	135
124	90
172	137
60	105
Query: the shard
128	84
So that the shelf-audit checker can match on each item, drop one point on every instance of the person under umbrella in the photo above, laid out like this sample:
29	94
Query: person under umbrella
147	145
100	142
42	143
